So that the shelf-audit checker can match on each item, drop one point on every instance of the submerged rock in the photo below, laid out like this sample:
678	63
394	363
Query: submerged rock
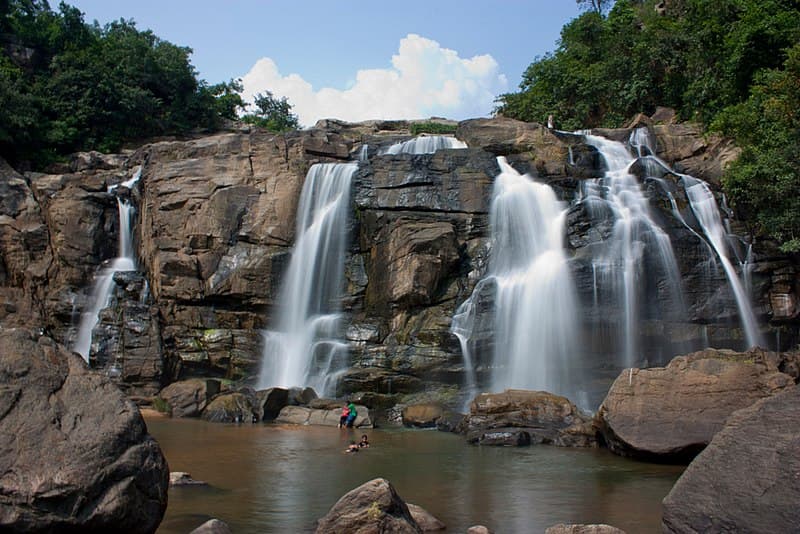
562	528
213	526
670	413
181	478
75	453
374	506
748	478
426	521
520	417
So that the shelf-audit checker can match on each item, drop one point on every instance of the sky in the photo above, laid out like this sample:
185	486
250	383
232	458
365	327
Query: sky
356	60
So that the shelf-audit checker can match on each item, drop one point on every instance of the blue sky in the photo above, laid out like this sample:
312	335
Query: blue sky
356	60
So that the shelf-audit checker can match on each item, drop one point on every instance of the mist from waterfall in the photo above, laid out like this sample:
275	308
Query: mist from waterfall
104	280
303	348
535	335
425	144
619	262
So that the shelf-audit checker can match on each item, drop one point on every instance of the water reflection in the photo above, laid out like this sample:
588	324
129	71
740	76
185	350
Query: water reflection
282	479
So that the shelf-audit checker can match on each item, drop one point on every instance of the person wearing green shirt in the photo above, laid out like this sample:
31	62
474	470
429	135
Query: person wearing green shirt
351	417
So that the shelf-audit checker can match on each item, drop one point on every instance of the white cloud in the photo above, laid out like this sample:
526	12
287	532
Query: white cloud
425	80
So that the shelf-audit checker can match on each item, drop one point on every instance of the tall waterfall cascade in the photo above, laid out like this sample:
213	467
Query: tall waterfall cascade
535	306
303	348
716	232
425	144
104	280
636	240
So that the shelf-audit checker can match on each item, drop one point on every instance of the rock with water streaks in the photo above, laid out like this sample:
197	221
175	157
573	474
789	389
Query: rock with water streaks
76	456
671	413
374	506
748	478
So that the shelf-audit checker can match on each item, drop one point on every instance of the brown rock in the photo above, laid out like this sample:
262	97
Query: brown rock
231	407
187	398
562	528
426	521
748	478
479	529
373	507
505	419
422	415
76	455
213	526
671	413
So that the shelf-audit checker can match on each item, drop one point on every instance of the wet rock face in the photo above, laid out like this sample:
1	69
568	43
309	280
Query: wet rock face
215	225
746	480
671	413
75	452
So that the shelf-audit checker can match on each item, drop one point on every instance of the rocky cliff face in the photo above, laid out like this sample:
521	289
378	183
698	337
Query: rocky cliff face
215	224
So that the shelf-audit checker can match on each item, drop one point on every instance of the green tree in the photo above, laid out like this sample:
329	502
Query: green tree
272	113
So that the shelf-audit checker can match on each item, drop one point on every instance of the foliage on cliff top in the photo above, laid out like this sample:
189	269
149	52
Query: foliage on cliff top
720	62
66	85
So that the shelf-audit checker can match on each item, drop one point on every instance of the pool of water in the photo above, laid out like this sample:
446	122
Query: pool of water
265	478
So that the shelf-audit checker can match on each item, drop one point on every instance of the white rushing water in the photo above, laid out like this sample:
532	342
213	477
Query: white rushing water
425	144
302	349
535	306
707	213
104	280
619	264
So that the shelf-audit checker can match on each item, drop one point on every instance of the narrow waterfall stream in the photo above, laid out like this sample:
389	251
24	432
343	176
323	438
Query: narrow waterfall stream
104	280
425	144
303	348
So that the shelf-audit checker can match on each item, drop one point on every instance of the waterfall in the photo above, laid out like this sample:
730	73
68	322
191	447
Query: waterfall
303	349
425	144
104	280
535	305
706	211
620	263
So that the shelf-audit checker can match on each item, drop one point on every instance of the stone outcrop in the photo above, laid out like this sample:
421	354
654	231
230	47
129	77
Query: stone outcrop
188	398
671	413
215	224
518	417
423	415
374	506
426	521
583	529
747	479
213	526
325	413
76	455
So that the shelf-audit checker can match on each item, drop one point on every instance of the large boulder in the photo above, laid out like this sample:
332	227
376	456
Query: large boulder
422	415
748	478
373	507
187	398
76	456
323	416
520	417
670	413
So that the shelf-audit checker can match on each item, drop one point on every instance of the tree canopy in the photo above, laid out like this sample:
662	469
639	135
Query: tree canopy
66	85
730	64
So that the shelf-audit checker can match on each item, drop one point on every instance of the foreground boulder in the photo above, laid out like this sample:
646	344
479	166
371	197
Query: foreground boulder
671	413
373	507
74	452
519	417
426	521
748	478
